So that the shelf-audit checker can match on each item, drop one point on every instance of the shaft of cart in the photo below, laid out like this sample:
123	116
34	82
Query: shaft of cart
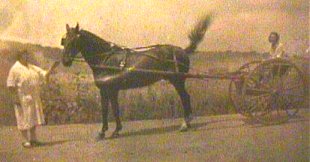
226	76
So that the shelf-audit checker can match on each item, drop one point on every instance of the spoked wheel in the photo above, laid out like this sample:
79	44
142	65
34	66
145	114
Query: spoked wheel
274	91
235	86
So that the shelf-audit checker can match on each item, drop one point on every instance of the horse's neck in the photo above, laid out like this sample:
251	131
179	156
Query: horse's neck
92	58
93	52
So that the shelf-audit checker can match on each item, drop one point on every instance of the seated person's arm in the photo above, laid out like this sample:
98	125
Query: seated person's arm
280	52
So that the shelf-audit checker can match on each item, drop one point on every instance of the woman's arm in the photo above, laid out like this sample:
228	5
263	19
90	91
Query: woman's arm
13	93
47	73
51	69
12	81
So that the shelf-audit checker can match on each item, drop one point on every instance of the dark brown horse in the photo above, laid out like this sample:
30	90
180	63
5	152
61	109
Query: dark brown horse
98	52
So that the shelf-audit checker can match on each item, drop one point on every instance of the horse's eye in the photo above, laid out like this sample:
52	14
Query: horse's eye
62	41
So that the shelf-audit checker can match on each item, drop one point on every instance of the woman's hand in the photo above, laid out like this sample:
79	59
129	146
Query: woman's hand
56	63
16	101
53	67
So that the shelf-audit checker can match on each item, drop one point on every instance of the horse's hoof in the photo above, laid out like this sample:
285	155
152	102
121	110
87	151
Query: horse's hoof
119	128
189	119
115	135
100	137
183	128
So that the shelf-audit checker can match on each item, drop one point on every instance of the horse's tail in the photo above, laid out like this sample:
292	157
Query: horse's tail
197	34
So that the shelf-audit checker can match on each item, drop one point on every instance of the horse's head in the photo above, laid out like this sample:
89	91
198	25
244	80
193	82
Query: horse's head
70	43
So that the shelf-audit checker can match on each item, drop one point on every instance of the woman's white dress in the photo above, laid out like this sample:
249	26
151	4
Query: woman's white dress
28	80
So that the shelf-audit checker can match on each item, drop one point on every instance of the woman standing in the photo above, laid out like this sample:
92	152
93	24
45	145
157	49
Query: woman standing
24	83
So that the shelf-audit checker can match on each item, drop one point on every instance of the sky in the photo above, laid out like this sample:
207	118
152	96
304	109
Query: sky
238	25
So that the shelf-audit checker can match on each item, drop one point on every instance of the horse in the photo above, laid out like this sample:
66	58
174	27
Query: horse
162	57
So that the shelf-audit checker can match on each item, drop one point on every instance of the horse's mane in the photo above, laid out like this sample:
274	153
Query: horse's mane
99	42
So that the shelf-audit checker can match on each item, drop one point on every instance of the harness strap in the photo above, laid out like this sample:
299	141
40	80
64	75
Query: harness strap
129	51
175	62
124	61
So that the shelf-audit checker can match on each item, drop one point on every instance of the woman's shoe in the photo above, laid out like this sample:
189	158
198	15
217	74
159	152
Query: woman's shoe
26	144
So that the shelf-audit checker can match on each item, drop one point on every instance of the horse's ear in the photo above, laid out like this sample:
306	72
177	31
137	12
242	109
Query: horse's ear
67	27
77	28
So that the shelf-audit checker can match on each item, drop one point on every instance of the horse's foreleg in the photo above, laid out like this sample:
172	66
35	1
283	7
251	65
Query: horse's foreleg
116	112
186	103
105	108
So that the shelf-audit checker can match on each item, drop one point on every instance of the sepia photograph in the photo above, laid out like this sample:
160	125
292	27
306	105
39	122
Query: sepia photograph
154	80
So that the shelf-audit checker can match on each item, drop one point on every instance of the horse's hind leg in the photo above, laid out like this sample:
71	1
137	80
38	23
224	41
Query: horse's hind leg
179	85
116	112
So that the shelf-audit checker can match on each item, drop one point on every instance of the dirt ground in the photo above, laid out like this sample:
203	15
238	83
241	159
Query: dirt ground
218	138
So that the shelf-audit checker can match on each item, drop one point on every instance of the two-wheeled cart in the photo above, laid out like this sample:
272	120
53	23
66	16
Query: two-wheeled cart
270	91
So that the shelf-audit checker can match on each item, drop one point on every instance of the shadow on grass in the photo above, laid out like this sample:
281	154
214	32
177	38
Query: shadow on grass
175	128
294	119
53	143
238	122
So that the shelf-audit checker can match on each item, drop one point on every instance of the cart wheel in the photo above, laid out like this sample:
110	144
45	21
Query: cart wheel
235	86
274	91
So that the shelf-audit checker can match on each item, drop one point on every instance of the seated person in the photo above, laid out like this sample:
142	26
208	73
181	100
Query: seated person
277	51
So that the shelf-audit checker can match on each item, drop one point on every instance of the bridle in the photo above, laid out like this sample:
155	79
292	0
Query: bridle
74	44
